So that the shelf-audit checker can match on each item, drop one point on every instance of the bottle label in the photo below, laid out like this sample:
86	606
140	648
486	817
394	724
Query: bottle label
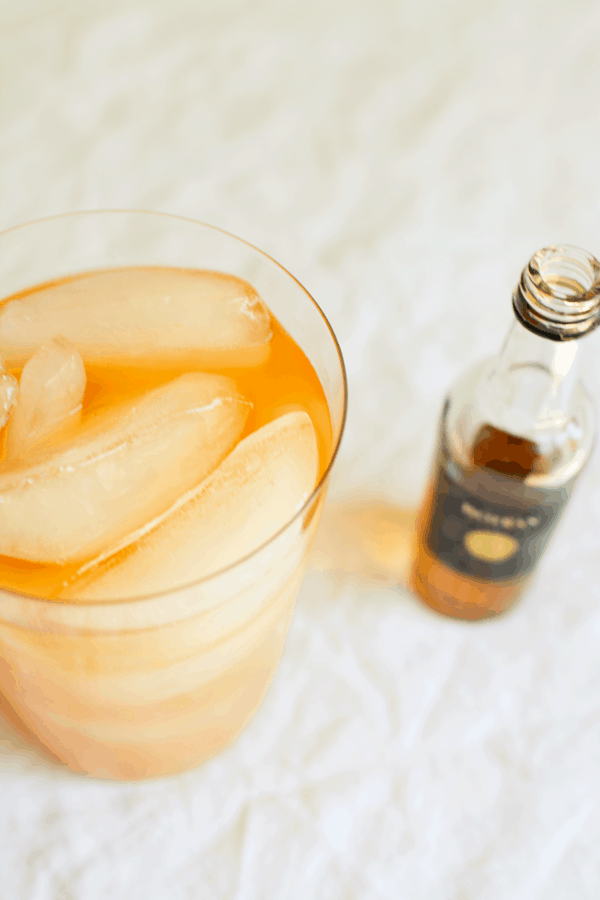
492	541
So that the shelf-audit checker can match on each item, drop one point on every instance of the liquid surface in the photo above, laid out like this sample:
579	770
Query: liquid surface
284	382
501	452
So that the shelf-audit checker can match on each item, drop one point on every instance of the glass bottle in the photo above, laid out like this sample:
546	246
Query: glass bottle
515	434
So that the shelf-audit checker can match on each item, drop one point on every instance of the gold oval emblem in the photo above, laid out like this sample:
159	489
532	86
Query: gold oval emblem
490	546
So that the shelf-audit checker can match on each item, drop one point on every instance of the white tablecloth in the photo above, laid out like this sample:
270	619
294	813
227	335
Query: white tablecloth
403	160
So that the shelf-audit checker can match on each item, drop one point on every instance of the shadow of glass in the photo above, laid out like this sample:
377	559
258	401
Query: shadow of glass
366	538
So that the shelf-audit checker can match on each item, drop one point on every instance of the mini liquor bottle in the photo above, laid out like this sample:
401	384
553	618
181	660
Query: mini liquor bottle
515	434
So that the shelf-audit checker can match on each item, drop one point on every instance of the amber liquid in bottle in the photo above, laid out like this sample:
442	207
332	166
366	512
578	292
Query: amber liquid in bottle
500	464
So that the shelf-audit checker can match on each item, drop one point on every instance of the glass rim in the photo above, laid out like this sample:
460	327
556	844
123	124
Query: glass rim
212	576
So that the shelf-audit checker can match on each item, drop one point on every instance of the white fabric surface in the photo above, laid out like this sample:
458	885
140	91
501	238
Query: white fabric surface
403	160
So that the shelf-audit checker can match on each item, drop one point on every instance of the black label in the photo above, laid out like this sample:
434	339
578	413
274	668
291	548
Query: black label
492	541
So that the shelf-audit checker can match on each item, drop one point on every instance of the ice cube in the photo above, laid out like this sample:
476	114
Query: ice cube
50	394
255	491
126	466
9	389
201	320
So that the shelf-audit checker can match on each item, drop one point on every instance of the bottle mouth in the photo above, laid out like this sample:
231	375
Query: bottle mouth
558	295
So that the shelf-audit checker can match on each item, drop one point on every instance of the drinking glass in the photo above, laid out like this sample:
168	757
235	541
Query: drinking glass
130	689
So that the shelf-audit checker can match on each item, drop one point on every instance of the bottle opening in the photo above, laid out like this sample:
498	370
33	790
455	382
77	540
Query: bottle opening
567	276
558	295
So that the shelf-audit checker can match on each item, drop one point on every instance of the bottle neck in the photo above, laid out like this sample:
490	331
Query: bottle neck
531	384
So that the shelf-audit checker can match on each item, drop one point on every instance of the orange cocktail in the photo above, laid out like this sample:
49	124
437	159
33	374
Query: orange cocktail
166	448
